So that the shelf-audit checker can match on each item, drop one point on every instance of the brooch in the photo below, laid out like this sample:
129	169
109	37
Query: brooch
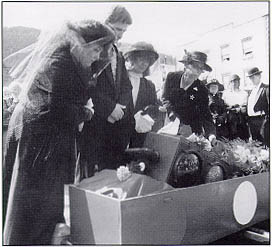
192	97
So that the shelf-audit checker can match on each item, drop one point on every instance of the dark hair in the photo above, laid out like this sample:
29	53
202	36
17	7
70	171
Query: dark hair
119	14
134	55
91	30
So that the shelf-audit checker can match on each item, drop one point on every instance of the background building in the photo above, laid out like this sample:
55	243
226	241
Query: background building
236	48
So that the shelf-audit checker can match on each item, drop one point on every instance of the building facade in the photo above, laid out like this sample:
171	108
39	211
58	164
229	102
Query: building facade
233	49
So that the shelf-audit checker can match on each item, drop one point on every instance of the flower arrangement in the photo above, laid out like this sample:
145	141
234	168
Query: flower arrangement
248	157
242	158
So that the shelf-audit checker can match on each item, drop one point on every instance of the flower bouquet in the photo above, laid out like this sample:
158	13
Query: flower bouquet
247	157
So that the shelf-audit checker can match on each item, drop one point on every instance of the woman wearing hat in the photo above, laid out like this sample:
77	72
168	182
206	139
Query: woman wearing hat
187	97
217	107
236	101
139	58
58	84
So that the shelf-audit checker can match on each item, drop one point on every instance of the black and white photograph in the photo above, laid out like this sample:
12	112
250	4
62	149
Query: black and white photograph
135	123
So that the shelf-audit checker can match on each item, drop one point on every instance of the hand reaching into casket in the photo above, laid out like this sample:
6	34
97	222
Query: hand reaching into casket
143	123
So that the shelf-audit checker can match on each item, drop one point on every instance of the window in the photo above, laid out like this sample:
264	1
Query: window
247	47
226	79
225	52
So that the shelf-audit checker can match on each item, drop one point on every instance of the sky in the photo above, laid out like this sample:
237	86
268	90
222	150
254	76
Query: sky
166	25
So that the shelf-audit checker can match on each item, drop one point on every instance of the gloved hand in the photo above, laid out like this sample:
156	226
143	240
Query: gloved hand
143	123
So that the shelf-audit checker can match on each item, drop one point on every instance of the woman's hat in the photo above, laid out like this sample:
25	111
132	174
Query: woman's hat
215	82
196	56
140	48
89	33
254	71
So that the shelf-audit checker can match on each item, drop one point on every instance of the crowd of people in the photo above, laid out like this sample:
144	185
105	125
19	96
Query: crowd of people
239	114
84	103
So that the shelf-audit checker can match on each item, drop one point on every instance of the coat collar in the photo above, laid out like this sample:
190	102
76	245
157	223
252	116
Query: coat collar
195	84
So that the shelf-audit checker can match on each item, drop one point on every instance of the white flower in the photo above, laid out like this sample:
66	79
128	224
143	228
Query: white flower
123	173
241	153
264	155
142	166
252	158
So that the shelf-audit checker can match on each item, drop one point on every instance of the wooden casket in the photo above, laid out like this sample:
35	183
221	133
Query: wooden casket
183	216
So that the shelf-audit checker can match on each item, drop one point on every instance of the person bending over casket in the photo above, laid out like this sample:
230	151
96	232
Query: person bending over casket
58	83
186	97
139	57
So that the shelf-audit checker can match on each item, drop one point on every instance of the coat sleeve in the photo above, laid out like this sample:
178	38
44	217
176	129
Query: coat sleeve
167	87
102	97
148	101
64	106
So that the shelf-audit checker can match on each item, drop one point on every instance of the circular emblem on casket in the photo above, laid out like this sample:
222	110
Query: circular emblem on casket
245	203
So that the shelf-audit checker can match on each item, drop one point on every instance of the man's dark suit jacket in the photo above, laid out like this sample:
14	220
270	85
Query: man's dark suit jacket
262	104
146	97
191	106
103	142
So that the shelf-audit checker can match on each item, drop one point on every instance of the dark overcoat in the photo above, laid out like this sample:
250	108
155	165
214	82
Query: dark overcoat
146	97
100	137
191	105
46	154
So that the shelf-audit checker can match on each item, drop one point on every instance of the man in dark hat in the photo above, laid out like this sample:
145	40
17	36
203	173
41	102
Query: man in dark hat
217	107
186	97
106	136
258	108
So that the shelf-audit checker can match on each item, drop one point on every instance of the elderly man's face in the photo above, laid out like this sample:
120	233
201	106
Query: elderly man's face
119	29
256	79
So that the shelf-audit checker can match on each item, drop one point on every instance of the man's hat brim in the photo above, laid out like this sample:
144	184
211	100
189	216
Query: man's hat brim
255	73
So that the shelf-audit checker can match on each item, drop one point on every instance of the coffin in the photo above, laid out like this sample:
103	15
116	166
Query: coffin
184	216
